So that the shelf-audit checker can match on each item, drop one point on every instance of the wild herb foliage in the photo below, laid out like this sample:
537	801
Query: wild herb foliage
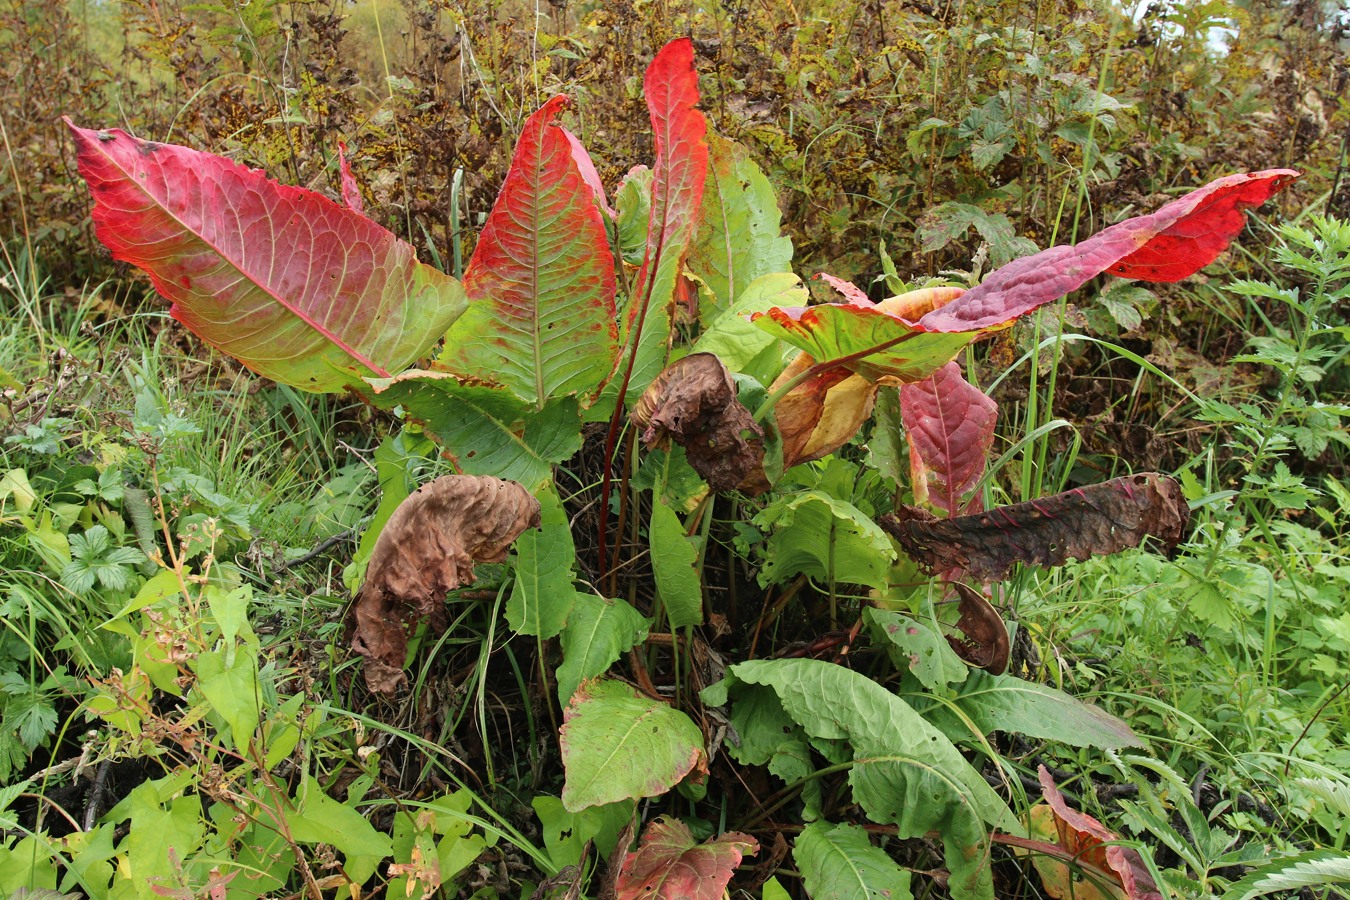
905	723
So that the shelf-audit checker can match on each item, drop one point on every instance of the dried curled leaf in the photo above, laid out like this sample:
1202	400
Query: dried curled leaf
819	415
1091	521
986	643
693	403
1092	844
427	548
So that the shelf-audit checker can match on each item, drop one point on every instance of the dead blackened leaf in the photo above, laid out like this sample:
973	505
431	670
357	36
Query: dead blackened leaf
428	548
986	642
693	403
1091	521
1092	844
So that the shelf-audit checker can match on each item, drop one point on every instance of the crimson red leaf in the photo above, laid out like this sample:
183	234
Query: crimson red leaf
293	285
1094	844
1091	521
351	191
1176	241
671	89
950	424
541	280
668	865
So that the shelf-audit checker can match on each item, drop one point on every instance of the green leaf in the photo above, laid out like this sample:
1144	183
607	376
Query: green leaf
827	539
919	647
673	558
618	745
634	202
732	339
228	679
319	819
542	595
738	237
566	833
1010	704
1315	869
487	431
838	862
598	632
904	770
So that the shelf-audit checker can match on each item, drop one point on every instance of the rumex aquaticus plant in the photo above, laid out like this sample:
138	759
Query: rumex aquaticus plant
676	307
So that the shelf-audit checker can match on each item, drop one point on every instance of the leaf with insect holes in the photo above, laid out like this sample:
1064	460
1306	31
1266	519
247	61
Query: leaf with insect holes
671	88
1090	521
739	231
541	280
296	287
618	744
950	424
668	863
1168	245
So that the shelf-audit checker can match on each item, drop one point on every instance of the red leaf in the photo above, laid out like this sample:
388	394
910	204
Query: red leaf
351	191
541	280
668	865
950	424
1086	838
671	89
1176	241
295	286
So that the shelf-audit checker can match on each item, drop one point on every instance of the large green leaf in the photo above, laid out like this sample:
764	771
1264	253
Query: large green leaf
731	337
542	595
838	862
294	286
673	558
541	280
1007	703
830	540
486	431
904	770
618	744
738	237
598	632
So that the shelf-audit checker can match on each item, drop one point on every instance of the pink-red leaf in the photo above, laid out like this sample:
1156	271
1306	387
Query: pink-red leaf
950	424
668	865
851	293
586	167
1176	241
541	280
293	285
671	89
351	191
1087	839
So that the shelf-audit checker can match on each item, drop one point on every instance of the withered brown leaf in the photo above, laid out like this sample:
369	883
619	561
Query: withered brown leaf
986	643
427	548
693	403
1091	521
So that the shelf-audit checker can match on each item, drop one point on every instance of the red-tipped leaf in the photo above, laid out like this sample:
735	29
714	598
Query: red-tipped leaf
351	191
681	166
586	167
541	279
852	294
950	424
1178	240
296	287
